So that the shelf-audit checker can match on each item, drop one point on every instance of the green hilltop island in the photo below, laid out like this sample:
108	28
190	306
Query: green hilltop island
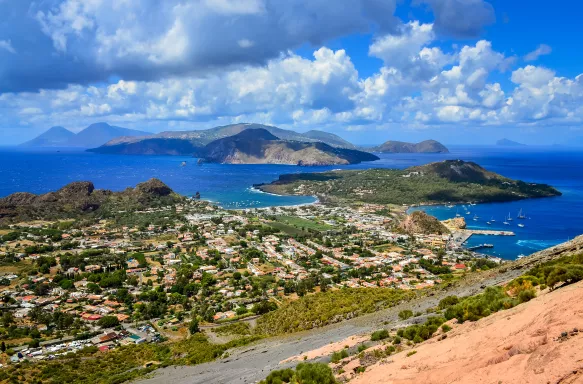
449	181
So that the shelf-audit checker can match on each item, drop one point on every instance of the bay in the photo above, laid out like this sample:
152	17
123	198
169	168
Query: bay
550	220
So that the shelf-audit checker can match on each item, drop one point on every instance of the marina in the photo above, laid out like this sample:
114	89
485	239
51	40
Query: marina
461	236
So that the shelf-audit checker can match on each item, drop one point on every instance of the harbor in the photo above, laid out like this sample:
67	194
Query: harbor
461	236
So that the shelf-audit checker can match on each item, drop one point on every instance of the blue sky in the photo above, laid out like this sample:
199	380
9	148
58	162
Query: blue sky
459	71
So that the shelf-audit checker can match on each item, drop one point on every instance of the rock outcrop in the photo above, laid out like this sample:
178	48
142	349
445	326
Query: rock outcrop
421	222
79	198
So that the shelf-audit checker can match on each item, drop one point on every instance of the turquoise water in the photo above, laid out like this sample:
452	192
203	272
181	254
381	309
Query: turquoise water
550	222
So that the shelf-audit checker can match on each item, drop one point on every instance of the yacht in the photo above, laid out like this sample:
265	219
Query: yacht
521	215
487	222
492	219
476	218
521	225
509	218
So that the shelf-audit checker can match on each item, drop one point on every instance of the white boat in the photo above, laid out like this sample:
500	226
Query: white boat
487	222
492	219
520	257
509	218
468	212
521	225
521	215
506	223
449	206
476	218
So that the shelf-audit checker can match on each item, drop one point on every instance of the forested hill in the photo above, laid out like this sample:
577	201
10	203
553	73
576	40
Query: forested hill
82	199
441	182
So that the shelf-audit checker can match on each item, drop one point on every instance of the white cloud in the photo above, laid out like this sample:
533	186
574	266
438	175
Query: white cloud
531	76
7	46
541	50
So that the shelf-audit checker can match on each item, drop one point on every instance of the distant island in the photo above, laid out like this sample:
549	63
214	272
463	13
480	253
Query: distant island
249	146
509	143
427	146
259	146
93	136
189	142
443	182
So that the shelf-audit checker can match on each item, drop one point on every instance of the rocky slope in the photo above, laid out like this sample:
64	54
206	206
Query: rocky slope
536	342
427	146
259	146
81	198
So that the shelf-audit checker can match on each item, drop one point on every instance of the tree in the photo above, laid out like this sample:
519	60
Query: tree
108	322
193	327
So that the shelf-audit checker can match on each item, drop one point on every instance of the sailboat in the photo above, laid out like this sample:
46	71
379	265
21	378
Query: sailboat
476	217
492	219
507	219
457	214
521	215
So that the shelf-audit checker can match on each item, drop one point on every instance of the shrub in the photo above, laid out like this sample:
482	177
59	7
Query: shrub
397	340
379	335
418	333
445	328
337	356
448	302
411	353
405	314
305	373
362	347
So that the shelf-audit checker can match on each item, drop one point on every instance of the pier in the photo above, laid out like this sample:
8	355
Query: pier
462	235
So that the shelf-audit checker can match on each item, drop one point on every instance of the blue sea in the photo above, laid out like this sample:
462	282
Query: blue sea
550	221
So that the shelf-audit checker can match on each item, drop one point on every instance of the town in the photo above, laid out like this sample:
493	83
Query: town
164	273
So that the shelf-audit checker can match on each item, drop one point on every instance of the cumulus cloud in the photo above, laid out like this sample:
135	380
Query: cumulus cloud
92	40
541	50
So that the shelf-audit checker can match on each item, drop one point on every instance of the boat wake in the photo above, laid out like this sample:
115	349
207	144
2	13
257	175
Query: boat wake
538	244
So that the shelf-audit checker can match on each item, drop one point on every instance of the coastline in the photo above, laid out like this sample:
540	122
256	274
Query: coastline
254	189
